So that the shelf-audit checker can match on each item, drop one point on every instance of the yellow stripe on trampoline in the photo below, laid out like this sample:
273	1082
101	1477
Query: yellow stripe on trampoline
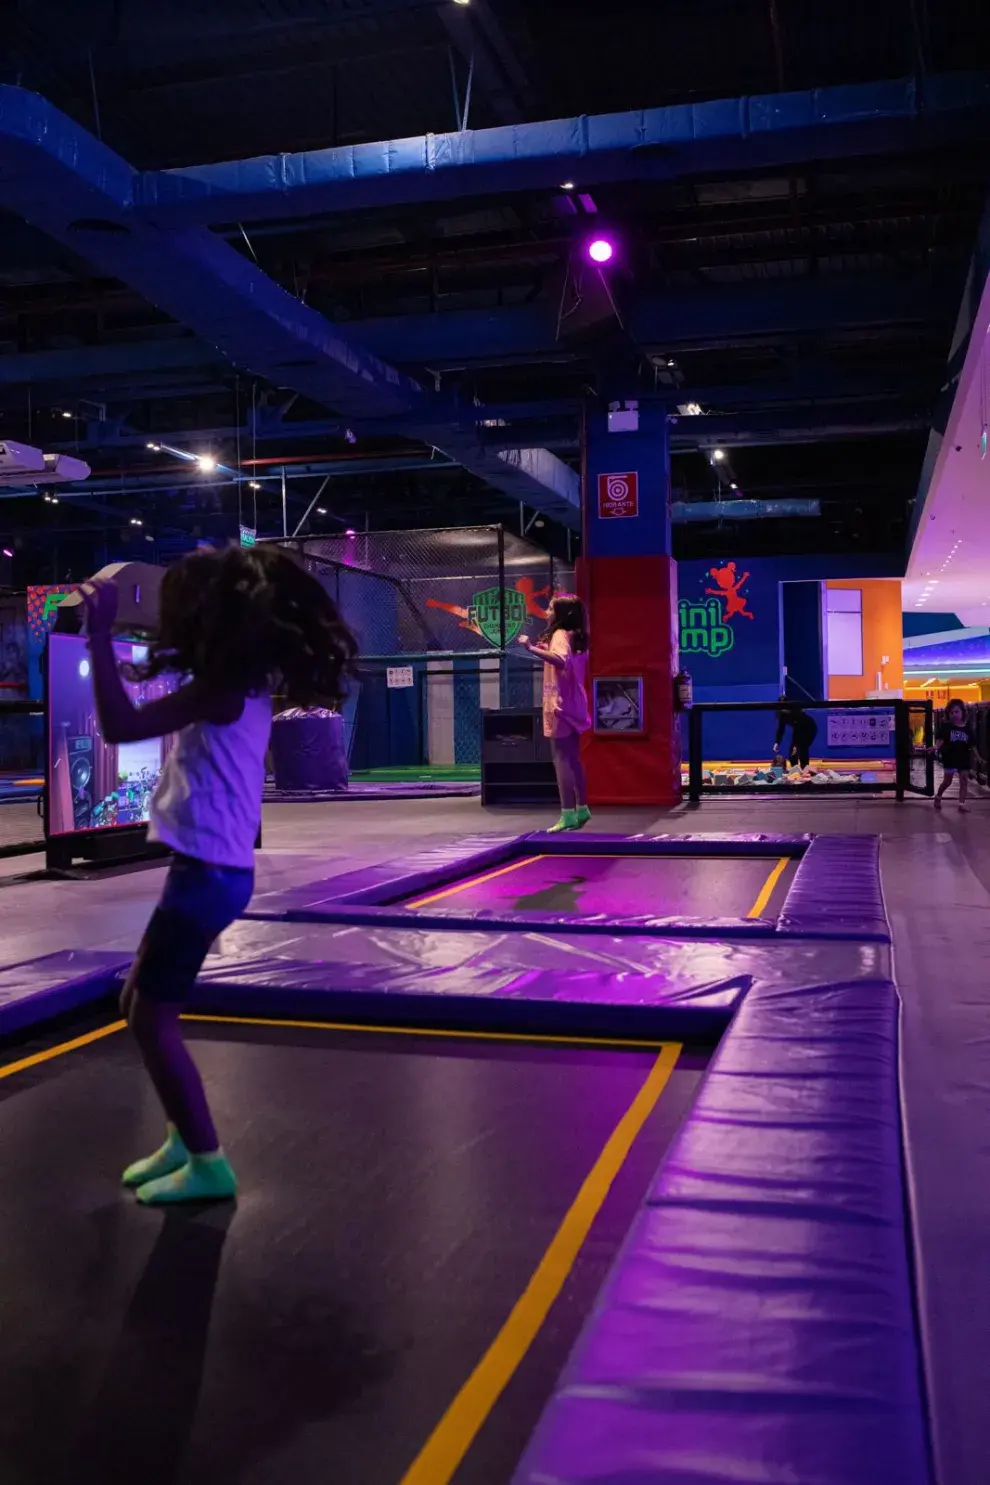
767	890
628	1044
489	876
446	1447
37	1058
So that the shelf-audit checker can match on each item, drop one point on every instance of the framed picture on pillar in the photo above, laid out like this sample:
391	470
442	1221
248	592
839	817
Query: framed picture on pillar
618	705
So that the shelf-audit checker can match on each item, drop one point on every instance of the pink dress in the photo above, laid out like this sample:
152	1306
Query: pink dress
565	692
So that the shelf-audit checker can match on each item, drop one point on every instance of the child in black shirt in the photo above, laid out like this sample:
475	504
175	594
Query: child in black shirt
956	748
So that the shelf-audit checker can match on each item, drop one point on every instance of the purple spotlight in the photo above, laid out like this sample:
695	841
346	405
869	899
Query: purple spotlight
7	552
600	250
350	534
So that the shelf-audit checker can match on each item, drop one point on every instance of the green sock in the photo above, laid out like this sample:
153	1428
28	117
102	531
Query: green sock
202	1178
567	821
168	1158
583	815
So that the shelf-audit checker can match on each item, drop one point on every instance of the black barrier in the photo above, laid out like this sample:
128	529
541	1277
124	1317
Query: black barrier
904	765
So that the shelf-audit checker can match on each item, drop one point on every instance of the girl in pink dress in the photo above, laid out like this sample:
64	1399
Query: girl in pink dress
563	648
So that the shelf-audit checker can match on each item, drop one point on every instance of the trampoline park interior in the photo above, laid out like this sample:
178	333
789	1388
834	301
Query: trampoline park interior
654	1151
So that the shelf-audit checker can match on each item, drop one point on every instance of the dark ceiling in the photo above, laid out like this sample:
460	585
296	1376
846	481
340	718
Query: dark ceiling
808	310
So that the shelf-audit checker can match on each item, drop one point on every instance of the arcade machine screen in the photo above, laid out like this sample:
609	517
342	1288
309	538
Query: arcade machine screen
92	784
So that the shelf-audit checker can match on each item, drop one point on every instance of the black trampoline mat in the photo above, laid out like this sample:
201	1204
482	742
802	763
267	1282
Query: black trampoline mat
618	886
397	1194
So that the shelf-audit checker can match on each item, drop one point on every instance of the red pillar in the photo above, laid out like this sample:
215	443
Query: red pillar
629	580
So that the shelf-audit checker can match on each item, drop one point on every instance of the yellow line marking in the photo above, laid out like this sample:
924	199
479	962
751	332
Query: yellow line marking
446	1447
441	1034
489	876
78	1041
766	892
623	1043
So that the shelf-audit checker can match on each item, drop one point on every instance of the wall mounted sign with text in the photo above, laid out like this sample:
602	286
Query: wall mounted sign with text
860	729
618	496
399	677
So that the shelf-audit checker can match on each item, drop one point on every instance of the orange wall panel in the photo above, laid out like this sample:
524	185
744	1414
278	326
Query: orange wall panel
883	634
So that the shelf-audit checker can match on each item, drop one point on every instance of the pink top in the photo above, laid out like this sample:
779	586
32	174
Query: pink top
565	692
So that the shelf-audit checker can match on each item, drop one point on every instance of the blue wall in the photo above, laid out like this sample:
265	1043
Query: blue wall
746	665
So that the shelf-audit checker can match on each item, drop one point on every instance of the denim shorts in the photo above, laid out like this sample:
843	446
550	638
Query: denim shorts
198	903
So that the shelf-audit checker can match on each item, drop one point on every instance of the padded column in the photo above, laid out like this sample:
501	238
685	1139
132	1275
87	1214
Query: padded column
629	579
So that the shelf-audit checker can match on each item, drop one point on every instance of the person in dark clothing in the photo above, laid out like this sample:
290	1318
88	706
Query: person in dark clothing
804	730
955	744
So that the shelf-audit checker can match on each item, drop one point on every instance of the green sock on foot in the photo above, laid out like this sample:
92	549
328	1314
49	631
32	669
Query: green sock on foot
583	815
202	1178
567	821
171	1156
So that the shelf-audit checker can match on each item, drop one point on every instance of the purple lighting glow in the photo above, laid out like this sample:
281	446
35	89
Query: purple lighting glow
600	250
7	552
349	533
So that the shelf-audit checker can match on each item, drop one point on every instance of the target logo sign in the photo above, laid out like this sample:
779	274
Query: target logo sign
618	495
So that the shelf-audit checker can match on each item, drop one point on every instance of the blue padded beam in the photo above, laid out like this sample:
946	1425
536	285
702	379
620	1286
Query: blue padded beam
725	134
62	180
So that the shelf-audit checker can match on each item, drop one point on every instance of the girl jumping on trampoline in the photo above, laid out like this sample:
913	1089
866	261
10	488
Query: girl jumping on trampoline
234	626
563	648
956	748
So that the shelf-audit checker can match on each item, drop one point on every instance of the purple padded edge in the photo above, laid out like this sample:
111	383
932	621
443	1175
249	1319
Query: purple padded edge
38	989
390	879
584	843
471	996
836	891
759	1323
533	922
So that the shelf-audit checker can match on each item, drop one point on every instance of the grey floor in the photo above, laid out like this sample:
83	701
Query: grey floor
936	874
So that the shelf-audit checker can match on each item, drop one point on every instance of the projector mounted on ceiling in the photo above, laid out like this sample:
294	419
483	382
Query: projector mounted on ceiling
20	464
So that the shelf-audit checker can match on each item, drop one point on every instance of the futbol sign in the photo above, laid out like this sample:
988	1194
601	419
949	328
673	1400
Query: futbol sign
485	614
618	496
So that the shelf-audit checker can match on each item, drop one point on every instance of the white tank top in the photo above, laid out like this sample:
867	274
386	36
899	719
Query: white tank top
208	800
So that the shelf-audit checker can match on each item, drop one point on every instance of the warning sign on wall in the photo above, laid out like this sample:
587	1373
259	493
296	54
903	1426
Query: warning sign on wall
399	677
618	495
860	729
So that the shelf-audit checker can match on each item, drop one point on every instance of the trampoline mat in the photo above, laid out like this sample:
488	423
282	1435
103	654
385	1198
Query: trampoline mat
618	886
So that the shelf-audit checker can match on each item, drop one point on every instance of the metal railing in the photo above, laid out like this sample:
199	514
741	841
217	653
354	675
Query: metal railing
909	758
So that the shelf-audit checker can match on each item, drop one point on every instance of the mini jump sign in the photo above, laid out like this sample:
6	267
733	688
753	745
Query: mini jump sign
618	495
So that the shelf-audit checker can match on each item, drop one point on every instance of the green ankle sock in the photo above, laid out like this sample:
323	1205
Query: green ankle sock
171	1156
202	1178
583	815
567	821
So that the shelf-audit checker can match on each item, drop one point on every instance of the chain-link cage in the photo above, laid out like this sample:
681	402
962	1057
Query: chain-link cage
438	615
445	590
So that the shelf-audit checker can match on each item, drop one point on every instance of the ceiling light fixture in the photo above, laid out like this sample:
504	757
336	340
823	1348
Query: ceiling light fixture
567	185
253	485
601	250
718	455
206	462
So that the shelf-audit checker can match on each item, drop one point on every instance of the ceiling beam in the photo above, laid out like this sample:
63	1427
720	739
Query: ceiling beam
724	135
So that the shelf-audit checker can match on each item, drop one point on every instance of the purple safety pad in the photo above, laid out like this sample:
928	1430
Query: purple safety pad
759	1324
386	880
38	989
481	979
713	843
836	892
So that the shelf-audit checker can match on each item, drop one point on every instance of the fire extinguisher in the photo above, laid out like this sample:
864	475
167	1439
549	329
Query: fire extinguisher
683	691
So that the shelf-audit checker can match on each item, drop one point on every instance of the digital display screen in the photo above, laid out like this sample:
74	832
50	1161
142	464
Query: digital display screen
93	784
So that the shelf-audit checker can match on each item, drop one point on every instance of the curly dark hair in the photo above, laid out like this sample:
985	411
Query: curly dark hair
250	620
566	611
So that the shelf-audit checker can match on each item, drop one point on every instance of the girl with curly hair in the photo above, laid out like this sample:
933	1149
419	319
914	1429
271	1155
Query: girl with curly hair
235	625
